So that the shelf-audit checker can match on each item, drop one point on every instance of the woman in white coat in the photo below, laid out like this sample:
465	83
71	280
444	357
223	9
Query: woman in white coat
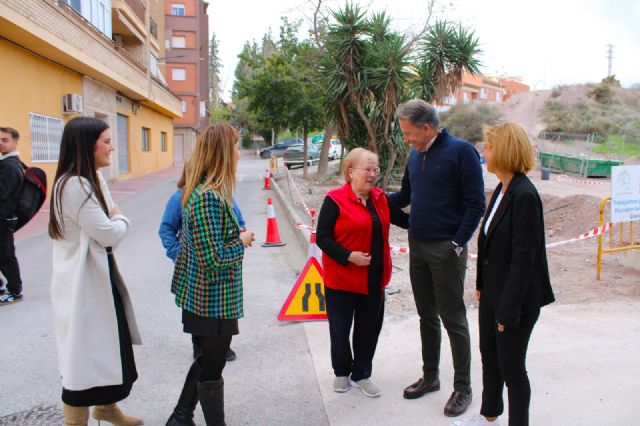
93	317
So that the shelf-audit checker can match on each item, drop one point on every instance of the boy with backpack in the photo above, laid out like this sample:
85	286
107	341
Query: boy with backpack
11	179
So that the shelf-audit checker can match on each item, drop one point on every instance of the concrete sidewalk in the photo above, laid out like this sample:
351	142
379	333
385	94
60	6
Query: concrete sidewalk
583	360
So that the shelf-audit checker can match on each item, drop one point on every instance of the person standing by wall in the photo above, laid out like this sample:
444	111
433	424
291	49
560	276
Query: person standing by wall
207	279
11	178
93	315
513	276
444	186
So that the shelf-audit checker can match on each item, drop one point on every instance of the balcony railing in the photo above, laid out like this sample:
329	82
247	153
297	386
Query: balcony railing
153	28
138	8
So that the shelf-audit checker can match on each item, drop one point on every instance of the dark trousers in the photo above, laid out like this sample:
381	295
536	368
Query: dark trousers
504	361
8	261
366	312
214	356
437	279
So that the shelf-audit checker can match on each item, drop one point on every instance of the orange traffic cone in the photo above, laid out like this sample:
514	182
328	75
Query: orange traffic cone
273	236
267	180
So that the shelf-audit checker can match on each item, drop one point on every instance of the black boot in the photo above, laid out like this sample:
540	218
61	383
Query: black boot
211	396
183	413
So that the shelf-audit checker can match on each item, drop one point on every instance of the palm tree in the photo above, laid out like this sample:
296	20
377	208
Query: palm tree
365	69
368	71
445	53
388	61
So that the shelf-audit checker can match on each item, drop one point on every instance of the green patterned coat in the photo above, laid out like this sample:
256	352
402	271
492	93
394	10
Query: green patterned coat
207	279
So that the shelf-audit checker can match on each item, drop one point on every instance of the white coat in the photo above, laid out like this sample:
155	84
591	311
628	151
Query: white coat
84	312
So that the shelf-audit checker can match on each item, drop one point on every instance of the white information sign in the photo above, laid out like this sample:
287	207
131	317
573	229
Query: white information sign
625	193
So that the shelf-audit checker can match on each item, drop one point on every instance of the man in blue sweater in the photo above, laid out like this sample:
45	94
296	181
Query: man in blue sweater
444	186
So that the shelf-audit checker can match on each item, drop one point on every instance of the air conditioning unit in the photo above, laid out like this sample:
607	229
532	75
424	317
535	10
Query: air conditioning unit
71	103
118	41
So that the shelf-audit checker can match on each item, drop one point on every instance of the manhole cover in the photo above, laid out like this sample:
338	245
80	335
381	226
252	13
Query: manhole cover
42	415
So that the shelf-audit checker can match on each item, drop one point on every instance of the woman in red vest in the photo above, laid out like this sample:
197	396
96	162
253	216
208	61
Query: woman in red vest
353	233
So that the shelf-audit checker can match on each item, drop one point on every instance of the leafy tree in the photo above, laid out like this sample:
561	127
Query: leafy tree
251	60
215	64
281	88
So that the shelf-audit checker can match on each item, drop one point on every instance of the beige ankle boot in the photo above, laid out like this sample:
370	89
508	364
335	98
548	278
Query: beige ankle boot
112	414
75	416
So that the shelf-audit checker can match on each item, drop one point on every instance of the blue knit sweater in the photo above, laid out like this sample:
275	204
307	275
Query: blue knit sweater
445	188
171	223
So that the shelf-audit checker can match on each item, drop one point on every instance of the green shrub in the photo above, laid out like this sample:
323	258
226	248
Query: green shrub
615	111
468	121
246	140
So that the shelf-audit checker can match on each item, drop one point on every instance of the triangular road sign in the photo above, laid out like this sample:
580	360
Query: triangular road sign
306	300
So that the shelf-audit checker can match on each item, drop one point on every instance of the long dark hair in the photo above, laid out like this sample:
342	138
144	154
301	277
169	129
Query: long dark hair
76	160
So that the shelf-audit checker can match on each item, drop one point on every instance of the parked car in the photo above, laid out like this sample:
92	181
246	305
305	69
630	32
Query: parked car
294	155
279	148
335	151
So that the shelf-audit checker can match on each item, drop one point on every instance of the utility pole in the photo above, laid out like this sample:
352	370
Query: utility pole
610	58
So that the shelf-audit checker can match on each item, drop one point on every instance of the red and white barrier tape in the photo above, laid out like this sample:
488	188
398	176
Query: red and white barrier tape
395	249
295	187
593	233
303	226
565	178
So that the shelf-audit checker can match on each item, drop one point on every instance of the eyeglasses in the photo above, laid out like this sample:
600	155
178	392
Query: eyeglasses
375	171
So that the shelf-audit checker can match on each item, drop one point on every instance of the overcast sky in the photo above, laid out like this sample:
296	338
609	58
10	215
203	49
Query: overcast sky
546	42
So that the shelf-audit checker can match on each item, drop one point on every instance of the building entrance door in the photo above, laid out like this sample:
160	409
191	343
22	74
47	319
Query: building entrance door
178	149
123	144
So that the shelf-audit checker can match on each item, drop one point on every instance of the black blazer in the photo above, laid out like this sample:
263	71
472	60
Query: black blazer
513	274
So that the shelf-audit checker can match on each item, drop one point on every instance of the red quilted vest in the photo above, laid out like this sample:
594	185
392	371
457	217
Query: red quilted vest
353	231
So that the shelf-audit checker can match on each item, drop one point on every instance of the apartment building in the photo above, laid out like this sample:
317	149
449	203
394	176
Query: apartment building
512	86
187	69
99	58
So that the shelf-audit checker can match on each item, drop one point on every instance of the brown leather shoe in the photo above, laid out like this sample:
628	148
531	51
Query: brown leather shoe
457	403
422	386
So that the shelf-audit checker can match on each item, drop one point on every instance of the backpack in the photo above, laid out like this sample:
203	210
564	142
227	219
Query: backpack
32	194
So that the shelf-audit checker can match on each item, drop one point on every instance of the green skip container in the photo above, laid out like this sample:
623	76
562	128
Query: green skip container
575	164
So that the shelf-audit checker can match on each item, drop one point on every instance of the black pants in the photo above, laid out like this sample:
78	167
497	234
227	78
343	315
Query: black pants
366	312
214	356
8	261
437	279
504	361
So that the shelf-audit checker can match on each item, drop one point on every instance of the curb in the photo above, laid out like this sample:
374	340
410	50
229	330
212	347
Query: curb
302	235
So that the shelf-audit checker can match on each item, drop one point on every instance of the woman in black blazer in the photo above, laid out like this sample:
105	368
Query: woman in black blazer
513	277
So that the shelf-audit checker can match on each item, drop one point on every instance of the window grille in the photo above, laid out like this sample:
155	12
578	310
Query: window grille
45	135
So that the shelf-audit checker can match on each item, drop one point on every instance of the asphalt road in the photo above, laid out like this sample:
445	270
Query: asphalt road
272	381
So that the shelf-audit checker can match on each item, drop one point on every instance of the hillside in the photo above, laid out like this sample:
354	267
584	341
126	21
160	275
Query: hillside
575	111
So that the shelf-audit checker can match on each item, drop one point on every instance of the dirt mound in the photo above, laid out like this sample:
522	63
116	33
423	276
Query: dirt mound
525	108
568	217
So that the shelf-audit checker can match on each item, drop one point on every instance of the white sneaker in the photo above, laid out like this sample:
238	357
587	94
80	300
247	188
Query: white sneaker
341	384
478	420
367	387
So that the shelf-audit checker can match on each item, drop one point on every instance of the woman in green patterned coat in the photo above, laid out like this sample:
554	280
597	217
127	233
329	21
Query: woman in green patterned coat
207	280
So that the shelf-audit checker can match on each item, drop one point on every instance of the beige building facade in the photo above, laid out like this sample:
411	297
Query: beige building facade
99	58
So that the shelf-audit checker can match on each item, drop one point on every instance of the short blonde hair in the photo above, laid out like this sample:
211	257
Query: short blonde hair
352	157
510	146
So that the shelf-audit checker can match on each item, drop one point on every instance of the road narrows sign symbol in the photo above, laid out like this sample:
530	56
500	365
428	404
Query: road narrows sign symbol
306	300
